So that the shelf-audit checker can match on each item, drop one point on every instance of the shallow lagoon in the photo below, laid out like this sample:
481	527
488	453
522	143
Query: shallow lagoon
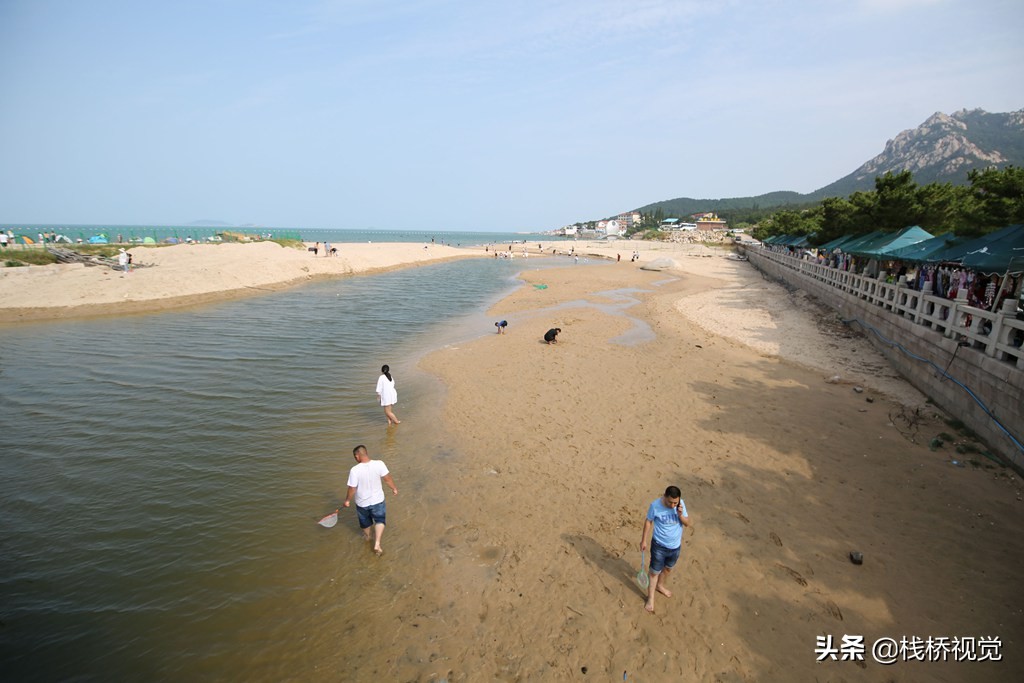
162	474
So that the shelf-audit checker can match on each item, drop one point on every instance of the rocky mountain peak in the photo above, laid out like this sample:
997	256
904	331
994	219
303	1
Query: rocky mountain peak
943	149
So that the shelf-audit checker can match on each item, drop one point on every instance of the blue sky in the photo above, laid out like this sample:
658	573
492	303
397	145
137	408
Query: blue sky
467	114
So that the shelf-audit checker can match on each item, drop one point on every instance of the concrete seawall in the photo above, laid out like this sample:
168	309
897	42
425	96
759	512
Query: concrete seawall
920	335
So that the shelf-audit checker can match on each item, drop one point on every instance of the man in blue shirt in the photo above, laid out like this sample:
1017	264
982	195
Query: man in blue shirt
667	516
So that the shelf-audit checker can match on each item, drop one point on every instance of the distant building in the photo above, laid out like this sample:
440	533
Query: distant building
613	228
629	219
674	224
709	221
569	231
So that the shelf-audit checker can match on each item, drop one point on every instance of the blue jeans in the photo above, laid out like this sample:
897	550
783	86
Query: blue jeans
368	516
662	557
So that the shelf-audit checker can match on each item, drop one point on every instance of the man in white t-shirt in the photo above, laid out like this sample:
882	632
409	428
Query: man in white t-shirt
364	483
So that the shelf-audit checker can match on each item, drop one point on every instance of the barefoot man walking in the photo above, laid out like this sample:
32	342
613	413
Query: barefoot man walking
364	481
667	516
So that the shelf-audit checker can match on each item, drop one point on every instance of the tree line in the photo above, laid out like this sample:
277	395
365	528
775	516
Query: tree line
993	200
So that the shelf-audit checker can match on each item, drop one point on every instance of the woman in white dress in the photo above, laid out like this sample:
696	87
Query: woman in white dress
387	395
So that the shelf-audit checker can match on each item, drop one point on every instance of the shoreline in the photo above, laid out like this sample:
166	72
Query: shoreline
736	302
184	275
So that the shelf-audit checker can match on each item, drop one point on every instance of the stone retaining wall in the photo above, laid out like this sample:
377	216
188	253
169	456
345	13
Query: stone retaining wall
978	346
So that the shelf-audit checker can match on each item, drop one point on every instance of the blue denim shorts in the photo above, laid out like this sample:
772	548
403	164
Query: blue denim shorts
662	557
371	515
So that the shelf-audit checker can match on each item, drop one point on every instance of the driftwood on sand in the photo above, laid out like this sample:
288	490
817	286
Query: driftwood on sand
70	256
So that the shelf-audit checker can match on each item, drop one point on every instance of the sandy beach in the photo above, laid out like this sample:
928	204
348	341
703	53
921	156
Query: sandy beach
784	468
792	440
190	274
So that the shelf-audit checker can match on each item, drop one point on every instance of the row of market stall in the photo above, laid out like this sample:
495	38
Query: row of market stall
988	267
998	252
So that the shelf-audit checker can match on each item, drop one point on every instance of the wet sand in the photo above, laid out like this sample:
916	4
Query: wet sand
526	562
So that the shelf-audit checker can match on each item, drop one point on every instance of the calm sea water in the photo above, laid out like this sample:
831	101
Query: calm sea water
454	238
181	232
161	475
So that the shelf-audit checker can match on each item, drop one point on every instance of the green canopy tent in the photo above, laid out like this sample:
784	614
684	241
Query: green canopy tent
921	251
881	246
837	243
852	245
789	240
991	253
904	238
1003	253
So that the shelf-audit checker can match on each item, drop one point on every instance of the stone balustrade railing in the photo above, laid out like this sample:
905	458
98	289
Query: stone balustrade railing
966	360
997	334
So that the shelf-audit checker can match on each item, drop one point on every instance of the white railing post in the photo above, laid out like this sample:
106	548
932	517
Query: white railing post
956	316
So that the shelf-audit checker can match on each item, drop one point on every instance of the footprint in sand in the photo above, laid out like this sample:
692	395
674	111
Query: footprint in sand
833	609
739	515
775	539
793	574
